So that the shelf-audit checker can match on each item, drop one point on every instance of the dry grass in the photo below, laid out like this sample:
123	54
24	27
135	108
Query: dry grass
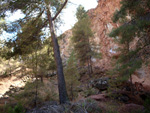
47	91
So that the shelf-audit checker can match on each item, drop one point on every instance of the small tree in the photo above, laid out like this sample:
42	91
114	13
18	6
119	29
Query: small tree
72	76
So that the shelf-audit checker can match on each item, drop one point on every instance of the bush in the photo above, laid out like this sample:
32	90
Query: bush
17	109
111	111
86	106
147	105
45	92
89	91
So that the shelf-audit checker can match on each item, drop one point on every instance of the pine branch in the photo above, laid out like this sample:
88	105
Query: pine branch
60	10
141	18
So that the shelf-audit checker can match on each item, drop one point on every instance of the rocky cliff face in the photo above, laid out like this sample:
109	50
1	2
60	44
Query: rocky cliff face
101	25
65	45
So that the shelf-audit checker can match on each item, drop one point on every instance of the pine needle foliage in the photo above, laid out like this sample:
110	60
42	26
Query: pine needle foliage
72	76
38	14
134	20
82	42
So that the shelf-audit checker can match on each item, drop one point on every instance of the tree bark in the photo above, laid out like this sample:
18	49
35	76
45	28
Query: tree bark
71	89
41	78
89	72
130	76
91	64
63	97
36	81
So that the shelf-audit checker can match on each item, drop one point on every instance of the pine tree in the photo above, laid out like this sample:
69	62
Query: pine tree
82	34
72	76
134	19
33	11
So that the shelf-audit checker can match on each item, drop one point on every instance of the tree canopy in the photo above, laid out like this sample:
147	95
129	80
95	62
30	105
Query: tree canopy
134	19
39	14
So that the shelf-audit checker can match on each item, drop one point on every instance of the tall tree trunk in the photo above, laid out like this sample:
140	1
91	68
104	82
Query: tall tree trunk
89	72
91	64
36	81
71	89
41	78
130	76
63	97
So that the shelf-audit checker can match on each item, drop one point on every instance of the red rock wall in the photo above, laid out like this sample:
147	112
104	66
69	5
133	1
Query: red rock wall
101	26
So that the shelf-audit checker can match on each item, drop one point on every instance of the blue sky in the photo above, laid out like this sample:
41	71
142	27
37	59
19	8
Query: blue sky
68	14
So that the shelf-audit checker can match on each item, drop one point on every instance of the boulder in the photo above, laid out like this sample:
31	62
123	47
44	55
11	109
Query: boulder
101	84
101	97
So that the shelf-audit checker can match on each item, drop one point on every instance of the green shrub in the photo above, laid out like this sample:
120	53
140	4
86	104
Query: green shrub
147	105
45	92
89	91
90	106
27	96
17	109
111	111
84	106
